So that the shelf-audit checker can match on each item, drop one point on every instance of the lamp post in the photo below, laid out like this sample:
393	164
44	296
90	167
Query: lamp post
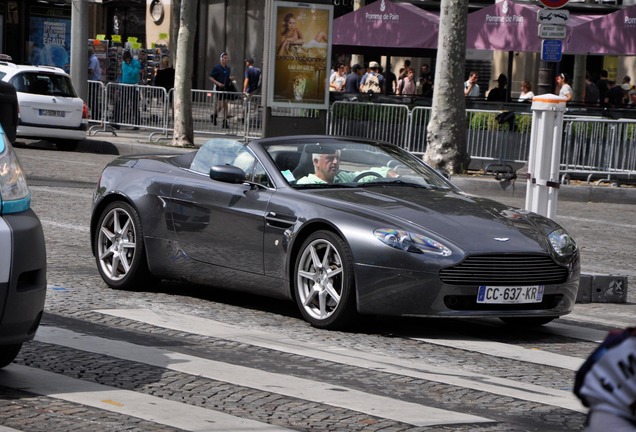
79	47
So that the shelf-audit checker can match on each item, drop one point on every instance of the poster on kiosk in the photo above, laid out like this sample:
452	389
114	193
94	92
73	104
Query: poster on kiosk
300	48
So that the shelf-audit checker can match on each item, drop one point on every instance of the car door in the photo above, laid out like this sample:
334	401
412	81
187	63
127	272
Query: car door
222	223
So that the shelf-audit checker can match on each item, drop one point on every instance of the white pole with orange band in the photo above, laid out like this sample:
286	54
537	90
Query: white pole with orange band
545	154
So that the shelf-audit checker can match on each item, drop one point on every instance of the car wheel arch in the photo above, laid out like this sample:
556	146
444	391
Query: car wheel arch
99	209
299	238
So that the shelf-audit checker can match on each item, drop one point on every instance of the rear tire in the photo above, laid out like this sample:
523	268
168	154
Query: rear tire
8	353
119	248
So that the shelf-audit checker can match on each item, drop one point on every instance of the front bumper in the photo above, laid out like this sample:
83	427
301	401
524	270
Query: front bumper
44	132
399	292
23	278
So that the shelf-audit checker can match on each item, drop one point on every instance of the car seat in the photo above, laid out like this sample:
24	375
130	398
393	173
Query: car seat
305	164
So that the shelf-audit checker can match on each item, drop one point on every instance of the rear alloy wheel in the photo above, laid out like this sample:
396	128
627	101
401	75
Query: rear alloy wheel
8	353
119	248
324	281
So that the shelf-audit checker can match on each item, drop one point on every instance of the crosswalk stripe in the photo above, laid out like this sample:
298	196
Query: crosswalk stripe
619	320
325	393
126	402
498	349
406	367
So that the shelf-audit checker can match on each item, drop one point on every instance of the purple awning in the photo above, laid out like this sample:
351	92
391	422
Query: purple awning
611	34
510	26
505	26
385	24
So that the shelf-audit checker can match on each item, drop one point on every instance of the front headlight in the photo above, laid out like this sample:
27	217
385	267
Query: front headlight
562	243
14	193
411	242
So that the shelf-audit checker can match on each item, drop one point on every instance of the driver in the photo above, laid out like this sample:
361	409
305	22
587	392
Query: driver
327	170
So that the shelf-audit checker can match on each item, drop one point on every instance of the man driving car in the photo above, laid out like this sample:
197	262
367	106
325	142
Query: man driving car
327	170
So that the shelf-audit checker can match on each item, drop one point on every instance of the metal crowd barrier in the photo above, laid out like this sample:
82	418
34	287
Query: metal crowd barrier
384	122
115	105
95	101
595	147
591	146
497	138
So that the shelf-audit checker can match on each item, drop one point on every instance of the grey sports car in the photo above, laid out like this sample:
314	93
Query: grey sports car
342	226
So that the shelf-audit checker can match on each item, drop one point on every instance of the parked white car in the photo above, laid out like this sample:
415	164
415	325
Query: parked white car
49	107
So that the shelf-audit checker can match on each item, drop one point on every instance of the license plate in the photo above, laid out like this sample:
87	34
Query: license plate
52	113
510	295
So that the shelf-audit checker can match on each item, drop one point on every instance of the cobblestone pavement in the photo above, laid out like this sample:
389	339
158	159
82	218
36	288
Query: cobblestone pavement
517	380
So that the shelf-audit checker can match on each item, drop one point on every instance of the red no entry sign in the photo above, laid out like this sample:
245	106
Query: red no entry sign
554	4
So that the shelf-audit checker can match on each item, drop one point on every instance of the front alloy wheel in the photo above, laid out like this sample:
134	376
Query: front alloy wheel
324	281
119	247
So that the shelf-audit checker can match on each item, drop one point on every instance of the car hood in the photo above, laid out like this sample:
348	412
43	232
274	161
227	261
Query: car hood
475	223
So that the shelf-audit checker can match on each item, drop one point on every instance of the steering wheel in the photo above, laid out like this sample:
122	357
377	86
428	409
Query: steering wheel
366	174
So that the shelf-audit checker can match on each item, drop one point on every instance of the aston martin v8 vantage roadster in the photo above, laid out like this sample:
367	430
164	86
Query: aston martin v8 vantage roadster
341	226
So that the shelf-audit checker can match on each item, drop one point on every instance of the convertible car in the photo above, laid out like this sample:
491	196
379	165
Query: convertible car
341	226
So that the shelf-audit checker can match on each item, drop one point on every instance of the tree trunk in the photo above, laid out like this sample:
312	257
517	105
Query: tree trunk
446	131
183	128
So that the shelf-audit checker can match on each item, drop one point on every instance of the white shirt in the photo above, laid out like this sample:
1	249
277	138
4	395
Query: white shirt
474	91
526	96
565	90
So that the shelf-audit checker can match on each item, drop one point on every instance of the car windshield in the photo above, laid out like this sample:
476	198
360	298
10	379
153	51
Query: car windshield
43	83
349	163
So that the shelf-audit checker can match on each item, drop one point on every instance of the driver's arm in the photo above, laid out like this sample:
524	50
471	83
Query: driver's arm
348	176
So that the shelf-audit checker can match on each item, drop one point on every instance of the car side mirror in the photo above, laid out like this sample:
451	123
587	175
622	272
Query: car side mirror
227	174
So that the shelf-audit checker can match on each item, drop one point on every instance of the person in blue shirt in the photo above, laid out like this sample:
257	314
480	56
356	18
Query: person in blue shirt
252	81
129	96
94	69
222	79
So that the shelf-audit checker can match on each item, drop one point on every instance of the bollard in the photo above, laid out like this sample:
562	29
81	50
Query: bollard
545	154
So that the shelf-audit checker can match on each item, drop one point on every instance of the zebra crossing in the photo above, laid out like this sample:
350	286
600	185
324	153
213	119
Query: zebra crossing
364	408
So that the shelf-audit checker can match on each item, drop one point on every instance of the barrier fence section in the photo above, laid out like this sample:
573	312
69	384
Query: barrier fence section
498	138
593	146
228	113
151	108
491	136
95	101
384	122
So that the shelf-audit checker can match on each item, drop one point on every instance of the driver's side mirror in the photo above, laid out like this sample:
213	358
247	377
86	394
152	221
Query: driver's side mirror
227	174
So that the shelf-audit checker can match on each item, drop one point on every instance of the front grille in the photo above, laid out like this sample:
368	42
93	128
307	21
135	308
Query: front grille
505	270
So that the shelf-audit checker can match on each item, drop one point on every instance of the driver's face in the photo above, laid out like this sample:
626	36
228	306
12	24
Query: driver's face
327	166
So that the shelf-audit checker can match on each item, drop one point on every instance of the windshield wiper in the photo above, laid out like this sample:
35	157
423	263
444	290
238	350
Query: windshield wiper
394	182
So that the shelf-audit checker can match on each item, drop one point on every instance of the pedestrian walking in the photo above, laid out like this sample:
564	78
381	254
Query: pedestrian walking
221	77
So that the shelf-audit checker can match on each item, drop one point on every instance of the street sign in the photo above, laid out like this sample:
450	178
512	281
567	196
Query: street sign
552	16
553	4
551	50
552	31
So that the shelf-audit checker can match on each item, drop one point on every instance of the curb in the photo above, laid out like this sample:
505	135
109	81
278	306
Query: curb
489	186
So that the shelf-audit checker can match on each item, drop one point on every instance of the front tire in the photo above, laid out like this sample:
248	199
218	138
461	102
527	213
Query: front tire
8	353
119	248
324	282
